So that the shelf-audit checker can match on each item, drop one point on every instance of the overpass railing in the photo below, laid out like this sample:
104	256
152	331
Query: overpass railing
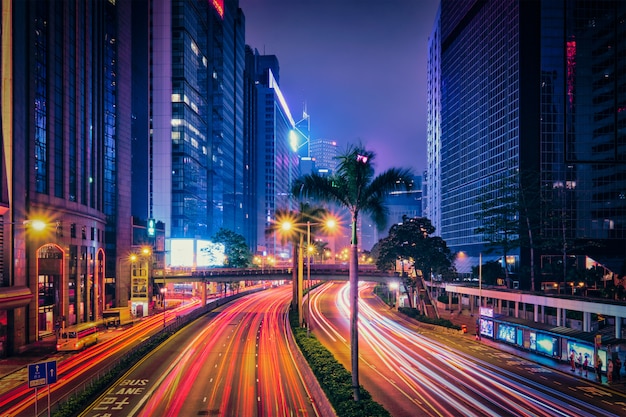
316	269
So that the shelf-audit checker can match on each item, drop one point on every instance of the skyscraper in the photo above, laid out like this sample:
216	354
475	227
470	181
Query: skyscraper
276	158
66	163
196	113
325	152
536	100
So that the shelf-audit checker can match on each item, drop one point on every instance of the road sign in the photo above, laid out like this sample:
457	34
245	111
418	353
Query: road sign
43	373
51	372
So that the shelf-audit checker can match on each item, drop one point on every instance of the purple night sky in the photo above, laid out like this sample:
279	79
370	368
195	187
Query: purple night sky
360	66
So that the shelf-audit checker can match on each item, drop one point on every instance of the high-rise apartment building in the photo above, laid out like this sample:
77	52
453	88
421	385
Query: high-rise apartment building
197	55
66	122
535	99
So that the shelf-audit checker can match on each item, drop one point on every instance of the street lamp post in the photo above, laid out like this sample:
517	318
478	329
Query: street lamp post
480	281
308	276
164	292
287	226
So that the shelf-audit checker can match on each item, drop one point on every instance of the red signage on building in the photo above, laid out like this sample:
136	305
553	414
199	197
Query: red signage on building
219	6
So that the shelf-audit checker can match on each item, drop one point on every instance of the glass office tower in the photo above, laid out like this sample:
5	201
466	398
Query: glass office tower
536	98
196	102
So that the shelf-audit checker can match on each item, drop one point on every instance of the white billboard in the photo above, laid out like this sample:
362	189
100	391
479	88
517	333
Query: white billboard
192	253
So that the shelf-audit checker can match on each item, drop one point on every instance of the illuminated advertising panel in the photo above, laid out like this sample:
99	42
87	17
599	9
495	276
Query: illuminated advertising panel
181	252
548	345
218	5
486	311
486	327
506	332
585	350
209	254
191	253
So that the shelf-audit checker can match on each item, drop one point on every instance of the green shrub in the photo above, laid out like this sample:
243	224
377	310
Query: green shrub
334	379
443	298
414	314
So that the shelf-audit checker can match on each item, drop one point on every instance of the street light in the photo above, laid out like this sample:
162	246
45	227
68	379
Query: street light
164	292
395	286
287	226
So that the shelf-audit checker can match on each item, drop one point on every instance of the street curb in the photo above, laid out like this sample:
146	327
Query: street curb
322	404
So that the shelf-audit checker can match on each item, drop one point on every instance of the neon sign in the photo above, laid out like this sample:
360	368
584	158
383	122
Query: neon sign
219	7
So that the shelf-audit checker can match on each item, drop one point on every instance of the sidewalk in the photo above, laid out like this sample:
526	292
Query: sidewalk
563	366
35	352
15	367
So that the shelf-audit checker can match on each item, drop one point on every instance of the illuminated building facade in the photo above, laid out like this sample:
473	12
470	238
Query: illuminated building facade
276	159
536	97
65	162
196	113
325	152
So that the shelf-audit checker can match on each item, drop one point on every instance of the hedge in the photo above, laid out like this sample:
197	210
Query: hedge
333	377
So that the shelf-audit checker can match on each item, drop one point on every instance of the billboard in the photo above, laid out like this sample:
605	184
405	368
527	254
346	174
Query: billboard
486	327
181	252
507	333
192	253
210	254
546	344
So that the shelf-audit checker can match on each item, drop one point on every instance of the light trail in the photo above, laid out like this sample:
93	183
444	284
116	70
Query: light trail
438	379
244	361
83	363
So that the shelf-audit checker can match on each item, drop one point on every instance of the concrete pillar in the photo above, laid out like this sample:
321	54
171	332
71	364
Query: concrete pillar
543	314
618	327
472	301
564	317
516	309
536	313
450	301
203	293
558	316
586	321
499	306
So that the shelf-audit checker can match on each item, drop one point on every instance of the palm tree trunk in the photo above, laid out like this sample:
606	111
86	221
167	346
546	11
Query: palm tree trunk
354	319
300	279
294	279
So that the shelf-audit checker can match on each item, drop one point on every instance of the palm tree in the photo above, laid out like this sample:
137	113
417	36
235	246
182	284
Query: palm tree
355	188
298	220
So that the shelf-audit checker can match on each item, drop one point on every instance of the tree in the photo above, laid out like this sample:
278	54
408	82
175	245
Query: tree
412	241
491	271
237	253
355	188
499	219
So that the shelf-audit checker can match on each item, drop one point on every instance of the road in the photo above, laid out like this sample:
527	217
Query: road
73	369
414	370
235	361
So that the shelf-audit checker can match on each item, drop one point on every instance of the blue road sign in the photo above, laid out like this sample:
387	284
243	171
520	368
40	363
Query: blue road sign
51	372
41	374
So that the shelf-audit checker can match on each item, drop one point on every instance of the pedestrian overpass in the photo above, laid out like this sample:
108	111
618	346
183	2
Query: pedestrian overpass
318	272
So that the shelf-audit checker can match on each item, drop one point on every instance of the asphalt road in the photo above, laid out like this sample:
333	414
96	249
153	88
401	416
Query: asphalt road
235	361
415	369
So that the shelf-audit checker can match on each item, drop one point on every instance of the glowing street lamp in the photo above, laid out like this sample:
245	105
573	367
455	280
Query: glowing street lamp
395	286
289	226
